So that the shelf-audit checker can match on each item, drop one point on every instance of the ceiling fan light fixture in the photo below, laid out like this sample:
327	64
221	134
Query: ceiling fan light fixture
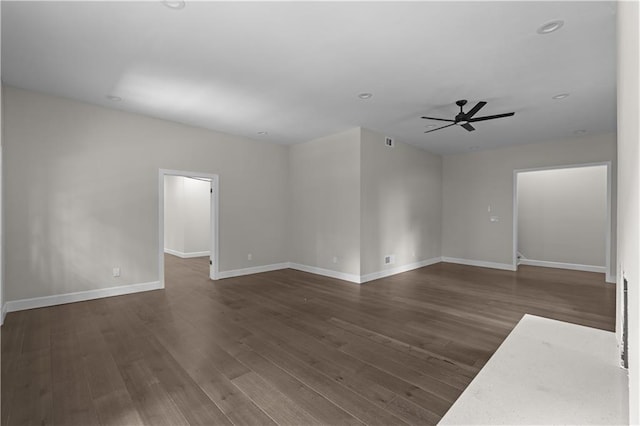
464	119
174	4
365	95
550	27
560	96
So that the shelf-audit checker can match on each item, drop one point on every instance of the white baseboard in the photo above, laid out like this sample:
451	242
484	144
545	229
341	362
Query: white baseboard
252	270
560	265
611	279
398	270
80	296
4	313
187	255
480	263
326	272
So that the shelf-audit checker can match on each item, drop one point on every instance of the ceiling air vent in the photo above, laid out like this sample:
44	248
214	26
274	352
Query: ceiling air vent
389	142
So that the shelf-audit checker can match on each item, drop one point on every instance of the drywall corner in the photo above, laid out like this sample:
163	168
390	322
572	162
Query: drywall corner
325	203
401	209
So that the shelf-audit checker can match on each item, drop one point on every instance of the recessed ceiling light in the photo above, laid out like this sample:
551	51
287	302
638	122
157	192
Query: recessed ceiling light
560	96
263	133
174	4
580	132
430	126
114	98
365	95
550	27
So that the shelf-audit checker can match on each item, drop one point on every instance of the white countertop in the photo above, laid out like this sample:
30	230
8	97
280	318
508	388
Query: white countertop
547	372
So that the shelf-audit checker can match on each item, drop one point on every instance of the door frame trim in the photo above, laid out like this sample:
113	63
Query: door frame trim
214	255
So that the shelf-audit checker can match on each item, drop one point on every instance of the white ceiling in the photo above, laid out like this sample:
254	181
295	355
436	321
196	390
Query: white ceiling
294	69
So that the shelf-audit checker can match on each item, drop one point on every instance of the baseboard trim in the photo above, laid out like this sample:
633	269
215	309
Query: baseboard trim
80	296
611	279
326	272
398	270
480	263
252	270
187	255
560	265
4	313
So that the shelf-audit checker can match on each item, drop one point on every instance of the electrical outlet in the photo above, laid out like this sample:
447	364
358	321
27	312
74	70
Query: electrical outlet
249	256
116	272
389	259
335	259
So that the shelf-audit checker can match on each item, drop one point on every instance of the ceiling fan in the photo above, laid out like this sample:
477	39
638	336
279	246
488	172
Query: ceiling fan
464	119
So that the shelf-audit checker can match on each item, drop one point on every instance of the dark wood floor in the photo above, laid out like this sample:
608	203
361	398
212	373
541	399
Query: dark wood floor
283	347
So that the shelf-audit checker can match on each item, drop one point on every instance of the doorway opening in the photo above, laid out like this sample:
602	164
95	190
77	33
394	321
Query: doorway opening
188	217
562	218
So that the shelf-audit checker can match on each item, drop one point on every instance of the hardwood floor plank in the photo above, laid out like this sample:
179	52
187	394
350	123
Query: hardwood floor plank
149	397
280	408
312	402
412	413
31	398
347	399
237	406
72	404
283	347
37	334
192	402
218	388
116	408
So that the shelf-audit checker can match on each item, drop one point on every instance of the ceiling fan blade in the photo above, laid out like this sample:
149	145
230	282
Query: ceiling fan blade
443	127
439	119
475	109
468	126
490	117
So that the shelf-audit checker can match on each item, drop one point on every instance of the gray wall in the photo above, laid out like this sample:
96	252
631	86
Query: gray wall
356	199
82	191
562	215
401	203
187	220
474	181
325	202
2	297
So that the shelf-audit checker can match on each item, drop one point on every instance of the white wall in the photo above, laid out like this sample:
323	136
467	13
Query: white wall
187	224
81	193
173	214
357	200
401	203
325	202
629	186
473	181
562	215
2	307
197	218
